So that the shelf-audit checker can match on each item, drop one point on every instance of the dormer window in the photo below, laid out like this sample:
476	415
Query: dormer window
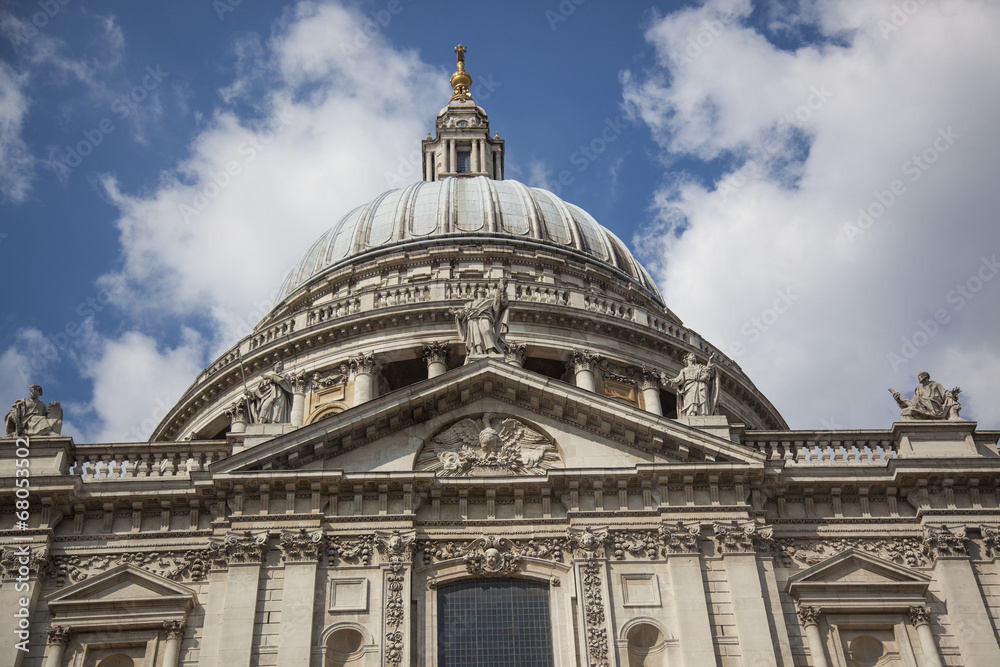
464	162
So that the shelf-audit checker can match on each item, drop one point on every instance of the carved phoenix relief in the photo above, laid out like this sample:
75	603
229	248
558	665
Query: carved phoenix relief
482	447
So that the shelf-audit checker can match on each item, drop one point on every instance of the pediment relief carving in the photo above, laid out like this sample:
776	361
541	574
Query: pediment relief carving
488	445
857	580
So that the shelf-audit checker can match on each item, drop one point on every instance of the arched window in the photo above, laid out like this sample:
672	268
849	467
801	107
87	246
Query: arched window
494	623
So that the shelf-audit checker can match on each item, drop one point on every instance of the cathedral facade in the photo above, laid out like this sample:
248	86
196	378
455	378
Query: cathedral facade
471	432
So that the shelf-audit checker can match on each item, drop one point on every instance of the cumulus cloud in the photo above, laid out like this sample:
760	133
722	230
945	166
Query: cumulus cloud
16	163
848	239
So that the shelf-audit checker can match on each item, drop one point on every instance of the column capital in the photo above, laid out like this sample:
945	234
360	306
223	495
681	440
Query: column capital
513	353
808	616
239	548
366	364
301	545
436	352
943	542
58	635
920	616
582	360
648	378
743	537
174	629
991	540
681	537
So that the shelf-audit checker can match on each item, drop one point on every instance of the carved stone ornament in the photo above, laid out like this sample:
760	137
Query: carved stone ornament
436	352
478	560
930	401
395	547
808	615
30	416
902	550
513	353
743	537
681	537
593	608
991	540
582	360
301	545
174	629
191	565
58	635
635	543
920	616
23	562
343	550
491	555
241	548
365	364
330	378
944	542
588	542
648	378
481	447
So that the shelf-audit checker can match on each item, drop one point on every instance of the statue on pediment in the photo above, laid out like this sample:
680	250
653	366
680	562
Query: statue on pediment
697	387
930	401
482	323
270	402
30	416
478	447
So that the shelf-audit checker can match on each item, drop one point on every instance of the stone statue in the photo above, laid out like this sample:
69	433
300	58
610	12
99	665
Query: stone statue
697	387
271	400
482	323
930	401
30	416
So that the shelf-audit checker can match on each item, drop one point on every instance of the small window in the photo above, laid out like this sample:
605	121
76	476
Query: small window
462	123
464	162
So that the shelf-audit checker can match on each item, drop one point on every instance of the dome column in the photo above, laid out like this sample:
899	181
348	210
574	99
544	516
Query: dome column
582	363
299	385
436	355
649	385
364	369
452	157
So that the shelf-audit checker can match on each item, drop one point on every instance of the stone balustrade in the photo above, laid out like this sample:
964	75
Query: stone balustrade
816	450
102	461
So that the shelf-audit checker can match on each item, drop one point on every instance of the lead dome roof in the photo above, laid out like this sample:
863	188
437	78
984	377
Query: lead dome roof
466	208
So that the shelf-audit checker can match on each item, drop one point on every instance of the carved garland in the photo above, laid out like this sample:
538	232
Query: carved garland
944	542
902	550
396	550
597	634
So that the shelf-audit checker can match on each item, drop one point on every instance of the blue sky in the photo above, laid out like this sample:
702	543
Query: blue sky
813	184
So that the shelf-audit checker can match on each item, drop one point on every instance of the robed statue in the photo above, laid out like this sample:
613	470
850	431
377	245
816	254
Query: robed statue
697	387
30	416
482	323
930	401
270	402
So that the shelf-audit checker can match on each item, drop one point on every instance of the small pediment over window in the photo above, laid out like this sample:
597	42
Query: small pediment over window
855	580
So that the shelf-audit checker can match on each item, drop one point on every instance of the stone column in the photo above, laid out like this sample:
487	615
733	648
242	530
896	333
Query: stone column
649	384
364	370
436	355
967	611
738	547
22	566
172	648
809	619
682	543
582	363
429	166
58	639
396	561
482	155
300	552
474	157
452	157
299	384
244	553
237	414
920	617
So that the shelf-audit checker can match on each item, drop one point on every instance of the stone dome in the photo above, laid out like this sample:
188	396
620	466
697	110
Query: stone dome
466	208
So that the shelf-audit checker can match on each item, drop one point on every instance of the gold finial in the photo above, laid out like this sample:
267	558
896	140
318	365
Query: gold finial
460	80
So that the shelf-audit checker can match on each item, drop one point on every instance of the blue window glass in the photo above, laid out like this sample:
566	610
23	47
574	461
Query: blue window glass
464	162
494	623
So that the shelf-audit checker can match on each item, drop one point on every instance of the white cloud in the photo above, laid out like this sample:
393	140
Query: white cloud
812	135
16	163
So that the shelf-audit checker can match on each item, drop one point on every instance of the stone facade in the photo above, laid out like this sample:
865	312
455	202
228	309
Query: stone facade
404	467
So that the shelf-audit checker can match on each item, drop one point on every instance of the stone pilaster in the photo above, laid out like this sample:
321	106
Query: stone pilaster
23	565
300	552
682	547
244	555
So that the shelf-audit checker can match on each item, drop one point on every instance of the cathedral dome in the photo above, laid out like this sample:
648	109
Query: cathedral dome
466	209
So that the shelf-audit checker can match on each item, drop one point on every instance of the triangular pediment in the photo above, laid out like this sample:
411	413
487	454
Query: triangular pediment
854	579
586	429
127	593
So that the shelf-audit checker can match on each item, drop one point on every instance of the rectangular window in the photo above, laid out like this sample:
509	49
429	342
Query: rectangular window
464	162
